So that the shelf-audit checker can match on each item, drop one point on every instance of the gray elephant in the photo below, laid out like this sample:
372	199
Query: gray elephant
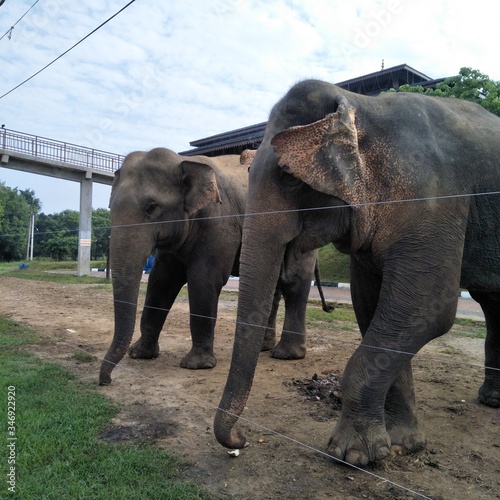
190	209
409	186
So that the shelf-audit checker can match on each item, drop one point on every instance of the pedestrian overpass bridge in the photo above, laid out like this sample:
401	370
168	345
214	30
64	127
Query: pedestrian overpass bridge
38	155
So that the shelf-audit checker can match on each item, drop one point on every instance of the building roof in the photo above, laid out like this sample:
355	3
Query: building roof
246	136
235	141
383	80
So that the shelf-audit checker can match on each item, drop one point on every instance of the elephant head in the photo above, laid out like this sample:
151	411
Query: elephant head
153	197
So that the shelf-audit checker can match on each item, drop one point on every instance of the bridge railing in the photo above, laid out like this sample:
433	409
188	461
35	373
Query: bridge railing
49	149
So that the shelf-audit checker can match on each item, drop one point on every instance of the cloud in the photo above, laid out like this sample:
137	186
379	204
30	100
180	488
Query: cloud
167	73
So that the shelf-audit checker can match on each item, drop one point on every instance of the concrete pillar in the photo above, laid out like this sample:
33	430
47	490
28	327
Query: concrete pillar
85	230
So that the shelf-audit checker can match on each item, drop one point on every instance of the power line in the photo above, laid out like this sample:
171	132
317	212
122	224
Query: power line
9	31
66	51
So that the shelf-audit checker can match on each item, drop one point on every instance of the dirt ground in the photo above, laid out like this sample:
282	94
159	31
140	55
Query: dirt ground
288	428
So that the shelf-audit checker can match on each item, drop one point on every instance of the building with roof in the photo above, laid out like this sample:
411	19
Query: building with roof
236	141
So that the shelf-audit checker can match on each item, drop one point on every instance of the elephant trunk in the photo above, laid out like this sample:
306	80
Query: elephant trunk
127	258
259	271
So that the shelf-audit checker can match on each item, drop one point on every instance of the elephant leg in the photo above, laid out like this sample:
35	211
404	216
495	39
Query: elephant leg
489	393
377	387
401	415
365	291
400	407
292	344
270	333
295	285
204	289
165	281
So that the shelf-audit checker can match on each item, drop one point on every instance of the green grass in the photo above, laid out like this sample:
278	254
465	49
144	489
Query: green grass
7	267
14	334
343	317
83	357
464	327
40	270
58	452
333	265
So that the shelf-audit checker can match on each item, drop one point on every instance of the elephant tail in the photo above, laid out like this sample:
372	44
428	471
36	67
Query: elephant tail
326	307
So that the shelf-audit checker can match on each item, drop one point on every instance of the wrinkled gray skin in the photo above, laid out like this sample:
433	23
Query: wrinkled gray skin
326	147
190	209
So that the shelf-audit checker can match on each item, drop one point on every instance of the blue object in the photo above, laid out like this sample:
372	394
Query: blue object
149	264
24	266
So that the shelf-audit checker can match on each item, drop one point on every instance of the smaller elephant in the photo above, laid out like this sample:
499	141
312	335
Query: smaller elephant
293	286
190	209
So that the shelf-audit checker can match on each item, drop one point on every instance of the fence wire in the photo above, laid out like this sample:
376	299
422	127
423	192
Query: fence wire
184	395
357	345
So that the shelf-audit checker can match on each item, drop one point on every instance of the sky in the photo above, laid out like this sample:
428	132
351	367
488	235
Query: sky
167	73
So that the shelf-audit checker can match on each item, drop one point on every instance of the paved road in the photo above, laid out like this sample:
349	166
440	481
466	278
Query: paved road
467	307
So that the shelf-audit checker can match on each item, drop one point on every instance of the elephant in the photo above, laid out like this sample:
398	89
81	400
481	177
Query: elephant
409	187
190	209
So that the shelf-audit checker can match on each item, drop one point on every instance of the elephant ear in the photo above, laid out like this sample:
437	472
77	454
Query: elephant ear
246	157
200	186
324	154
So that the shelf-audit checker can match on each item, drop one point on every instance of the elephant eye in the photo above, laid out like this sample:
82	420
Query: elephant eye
150	209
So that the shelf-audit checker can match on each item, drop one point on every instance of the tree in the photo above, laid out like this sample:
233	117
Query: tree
100	233
470	84
14	218
56	235
34	203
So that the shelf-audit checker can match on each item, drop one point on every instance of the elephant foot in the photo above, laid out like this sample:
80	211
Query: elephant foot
269	340
406	440
489	395
288	351
199	359
359	448
141	351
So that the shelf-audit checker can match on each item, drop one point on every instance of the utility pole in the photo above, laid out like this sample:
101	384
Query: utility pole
29	239
31	235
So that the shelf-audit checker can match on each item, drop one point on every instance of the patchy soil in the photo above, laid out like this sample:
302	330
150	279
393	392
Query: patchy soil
290	413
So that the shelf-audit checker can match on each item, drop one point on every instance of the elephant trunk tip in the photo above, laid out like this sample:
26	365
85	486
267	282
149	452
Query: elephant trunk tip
226	434
105	373
234	440
104	380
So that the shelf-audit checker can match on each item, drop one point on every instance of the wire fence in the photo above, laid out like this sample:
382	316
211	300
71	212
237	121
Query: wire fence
198	400
183	395
35	146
